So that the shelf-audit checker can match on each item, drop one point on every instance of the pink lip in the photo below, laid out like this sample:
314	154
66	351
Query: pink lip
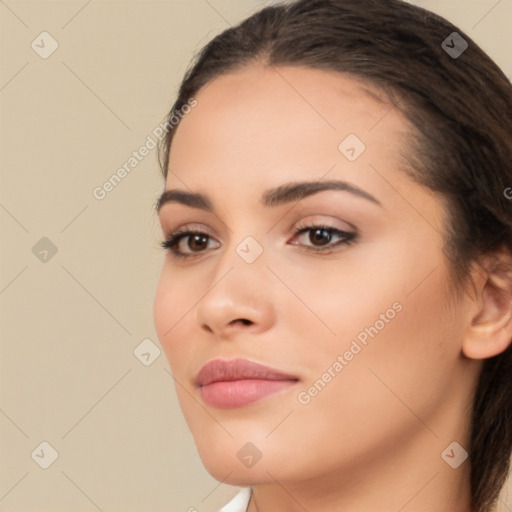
227	384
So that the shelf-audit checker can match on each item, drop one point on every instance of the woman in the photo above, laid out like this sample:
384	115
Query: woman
336	299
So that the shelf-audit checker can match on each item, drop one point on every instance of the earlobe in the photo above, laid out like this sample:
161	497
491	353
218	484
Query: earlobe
489	331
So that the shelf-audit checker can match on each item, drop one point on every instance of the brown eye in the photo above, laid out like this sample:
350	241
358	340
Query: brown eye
186	244
197	241
320	237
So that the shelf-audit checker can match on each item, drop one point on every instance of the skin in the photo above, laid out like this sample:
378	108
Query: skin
372	439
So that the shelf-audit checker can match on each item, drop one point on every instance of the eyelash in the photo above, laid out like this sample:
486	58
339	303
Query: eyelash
174	238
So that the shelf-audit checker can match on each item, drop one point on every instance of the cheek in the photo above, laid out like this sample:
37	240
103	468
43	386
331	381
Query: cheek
403	342
170	317
392	389
405	362
162	309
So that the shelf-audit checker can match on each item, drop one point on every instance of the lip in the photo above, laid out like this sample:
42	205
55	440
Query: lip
226	384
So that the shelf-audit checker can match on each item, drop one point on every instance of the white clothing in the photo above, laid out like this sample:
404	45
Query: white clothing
240	502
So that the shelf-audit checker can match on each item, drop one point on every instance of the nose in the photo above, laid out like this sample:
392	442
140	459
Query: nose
239	300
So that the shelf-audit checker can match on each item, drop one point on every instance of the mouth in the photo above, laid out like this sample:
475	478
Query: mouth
227	384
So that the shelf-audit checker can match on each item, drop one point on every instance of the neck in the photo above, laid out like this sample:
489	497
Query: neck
412	478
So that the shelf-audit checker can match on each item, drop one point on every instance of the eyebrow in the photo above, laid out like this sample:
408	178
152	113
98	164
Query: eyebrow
278	196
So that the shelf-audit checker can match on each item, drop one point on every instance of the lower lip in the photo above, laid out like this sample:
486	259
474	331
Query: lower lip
237	393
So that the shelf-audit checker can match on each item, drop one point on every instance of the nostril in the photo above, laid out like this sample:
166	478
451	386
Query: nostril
243	320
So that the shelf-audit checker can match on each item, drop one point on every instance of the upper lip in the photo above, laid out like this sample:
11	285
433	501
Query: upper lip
237	369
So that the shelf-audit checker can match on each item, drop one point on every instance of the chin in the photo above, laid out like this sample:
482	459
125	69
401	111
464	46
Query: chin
232	472
230	457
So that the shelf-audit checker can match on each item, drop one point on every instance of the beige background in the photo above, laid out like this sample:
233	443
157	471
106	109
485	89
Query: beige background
70	324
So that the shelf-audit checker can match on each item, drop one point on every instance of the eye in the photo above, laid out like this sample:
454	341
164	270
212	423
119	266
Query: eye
321	237
196	241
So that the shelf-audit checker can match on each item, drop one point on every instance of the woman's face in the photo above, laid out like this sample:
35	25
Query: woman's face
364	331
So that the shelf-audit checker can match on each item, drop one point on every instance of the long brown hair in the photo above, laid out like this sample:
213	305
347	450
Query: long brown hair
460	103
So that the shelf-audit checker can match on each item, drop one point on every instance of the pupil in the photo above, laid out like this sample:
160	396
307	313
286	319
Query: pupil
322	238
197	238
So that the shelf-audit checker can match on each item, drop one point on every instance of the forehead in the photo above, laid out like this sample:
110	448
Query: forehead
320	97
265	124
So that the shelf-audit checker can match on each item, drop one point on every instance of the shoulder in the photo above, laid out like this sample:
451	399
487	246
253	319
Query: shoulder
240	502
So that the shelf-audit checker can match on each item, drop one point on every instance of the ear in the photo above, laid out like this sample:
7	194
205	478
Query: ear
489	331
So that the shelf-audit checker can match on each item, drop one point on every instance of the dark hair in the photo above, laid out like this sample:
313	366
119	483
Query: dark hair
460	104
